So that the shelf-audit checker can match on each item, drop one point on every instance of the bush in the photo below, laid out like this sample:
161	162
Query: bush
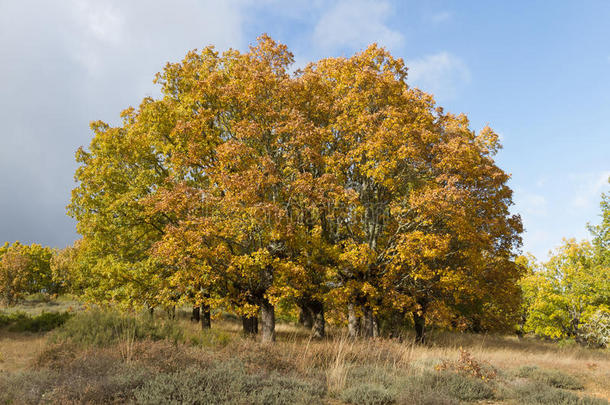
554	378
534	393
445	385
428	398
7	319
39	297
44	322
100	383
469	366
93	379
597	329
367	394
26	387
210	338
22	322
104	328
226	383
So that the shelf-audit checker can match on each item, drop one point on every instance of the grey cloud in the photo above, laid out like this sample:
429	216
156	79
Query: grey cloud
67	63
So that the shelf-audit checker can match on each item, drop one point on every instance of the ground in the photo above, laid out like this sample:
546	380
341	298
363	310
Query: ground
103	357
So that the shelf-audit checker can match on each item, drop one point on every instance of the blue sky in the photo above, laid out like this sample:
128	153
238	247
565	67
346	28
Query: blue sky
538	72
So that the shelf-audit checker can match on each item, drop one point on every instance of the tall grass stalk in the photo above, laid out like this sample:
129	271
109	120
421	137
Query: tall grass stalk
338	369
126	338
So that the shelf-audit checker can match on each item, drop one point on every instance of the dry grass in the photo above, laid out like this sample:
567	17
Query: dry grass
338	363
338	355
18	350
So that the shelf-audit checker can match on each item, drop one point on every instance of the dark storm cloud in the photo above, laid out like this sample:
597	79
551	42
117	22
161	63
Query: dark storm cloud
67	63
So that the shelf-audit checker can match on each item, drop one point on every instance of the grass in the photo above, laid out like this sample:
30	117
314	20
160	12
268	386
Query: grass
554	378
106	357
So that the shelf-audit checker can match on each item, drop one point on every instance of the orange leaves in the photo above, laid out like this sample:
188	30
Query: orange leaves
338	181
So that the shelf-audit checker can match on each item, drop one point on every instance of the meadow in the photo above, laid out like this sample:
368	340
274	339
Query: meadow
59	352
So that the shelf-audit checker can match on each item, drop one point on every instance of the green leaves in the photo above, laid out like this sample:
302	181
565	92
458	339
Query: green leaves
247	184
24	270
565	293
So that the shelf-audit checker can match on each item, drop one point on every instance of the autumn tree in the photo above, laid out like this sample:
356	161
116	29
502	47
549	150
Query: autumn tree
231	204
14	266
120	168
422	205
25	269
69	269
336	186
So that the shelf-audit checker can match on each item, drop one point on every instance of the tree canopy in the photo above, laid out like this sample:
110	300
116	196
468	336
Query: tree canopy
25	269
337	188
568	297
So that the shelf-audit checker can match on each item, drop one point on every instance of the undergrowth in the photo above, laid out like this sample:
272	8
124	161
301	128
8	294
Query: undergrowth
101	357
23	322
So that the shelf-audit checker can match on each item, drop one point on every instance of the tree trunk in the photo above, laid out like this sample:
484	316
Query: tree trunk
305	317
476	325
394	327
353	323
420	322
249	325
367	322
151	312
206	316
316	310
267	322
375	326
195	317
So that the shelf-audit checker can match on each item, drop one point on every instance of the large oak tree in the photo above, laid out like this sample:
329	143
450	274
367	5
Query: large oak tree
336	186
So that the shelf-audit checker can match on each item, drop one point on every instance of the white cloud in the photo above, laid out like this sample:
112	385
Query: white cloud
102	20
441	74
530	203
541	181
589	188
538	242
441	17
356	24
114	34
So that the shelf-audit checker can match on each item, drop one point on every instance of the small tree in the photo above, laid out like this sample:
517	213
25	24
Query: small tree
566	292
14	269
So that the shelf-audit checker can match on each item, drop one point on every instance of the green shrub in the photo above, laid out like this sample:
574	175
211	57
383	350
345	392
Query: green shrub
538	393
26	387
370	374
22	322
554	378
566	343
367	394
428	398
445	385
44	322
104	328
5	319
98	383
38	297
226	383
93	379
210	338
